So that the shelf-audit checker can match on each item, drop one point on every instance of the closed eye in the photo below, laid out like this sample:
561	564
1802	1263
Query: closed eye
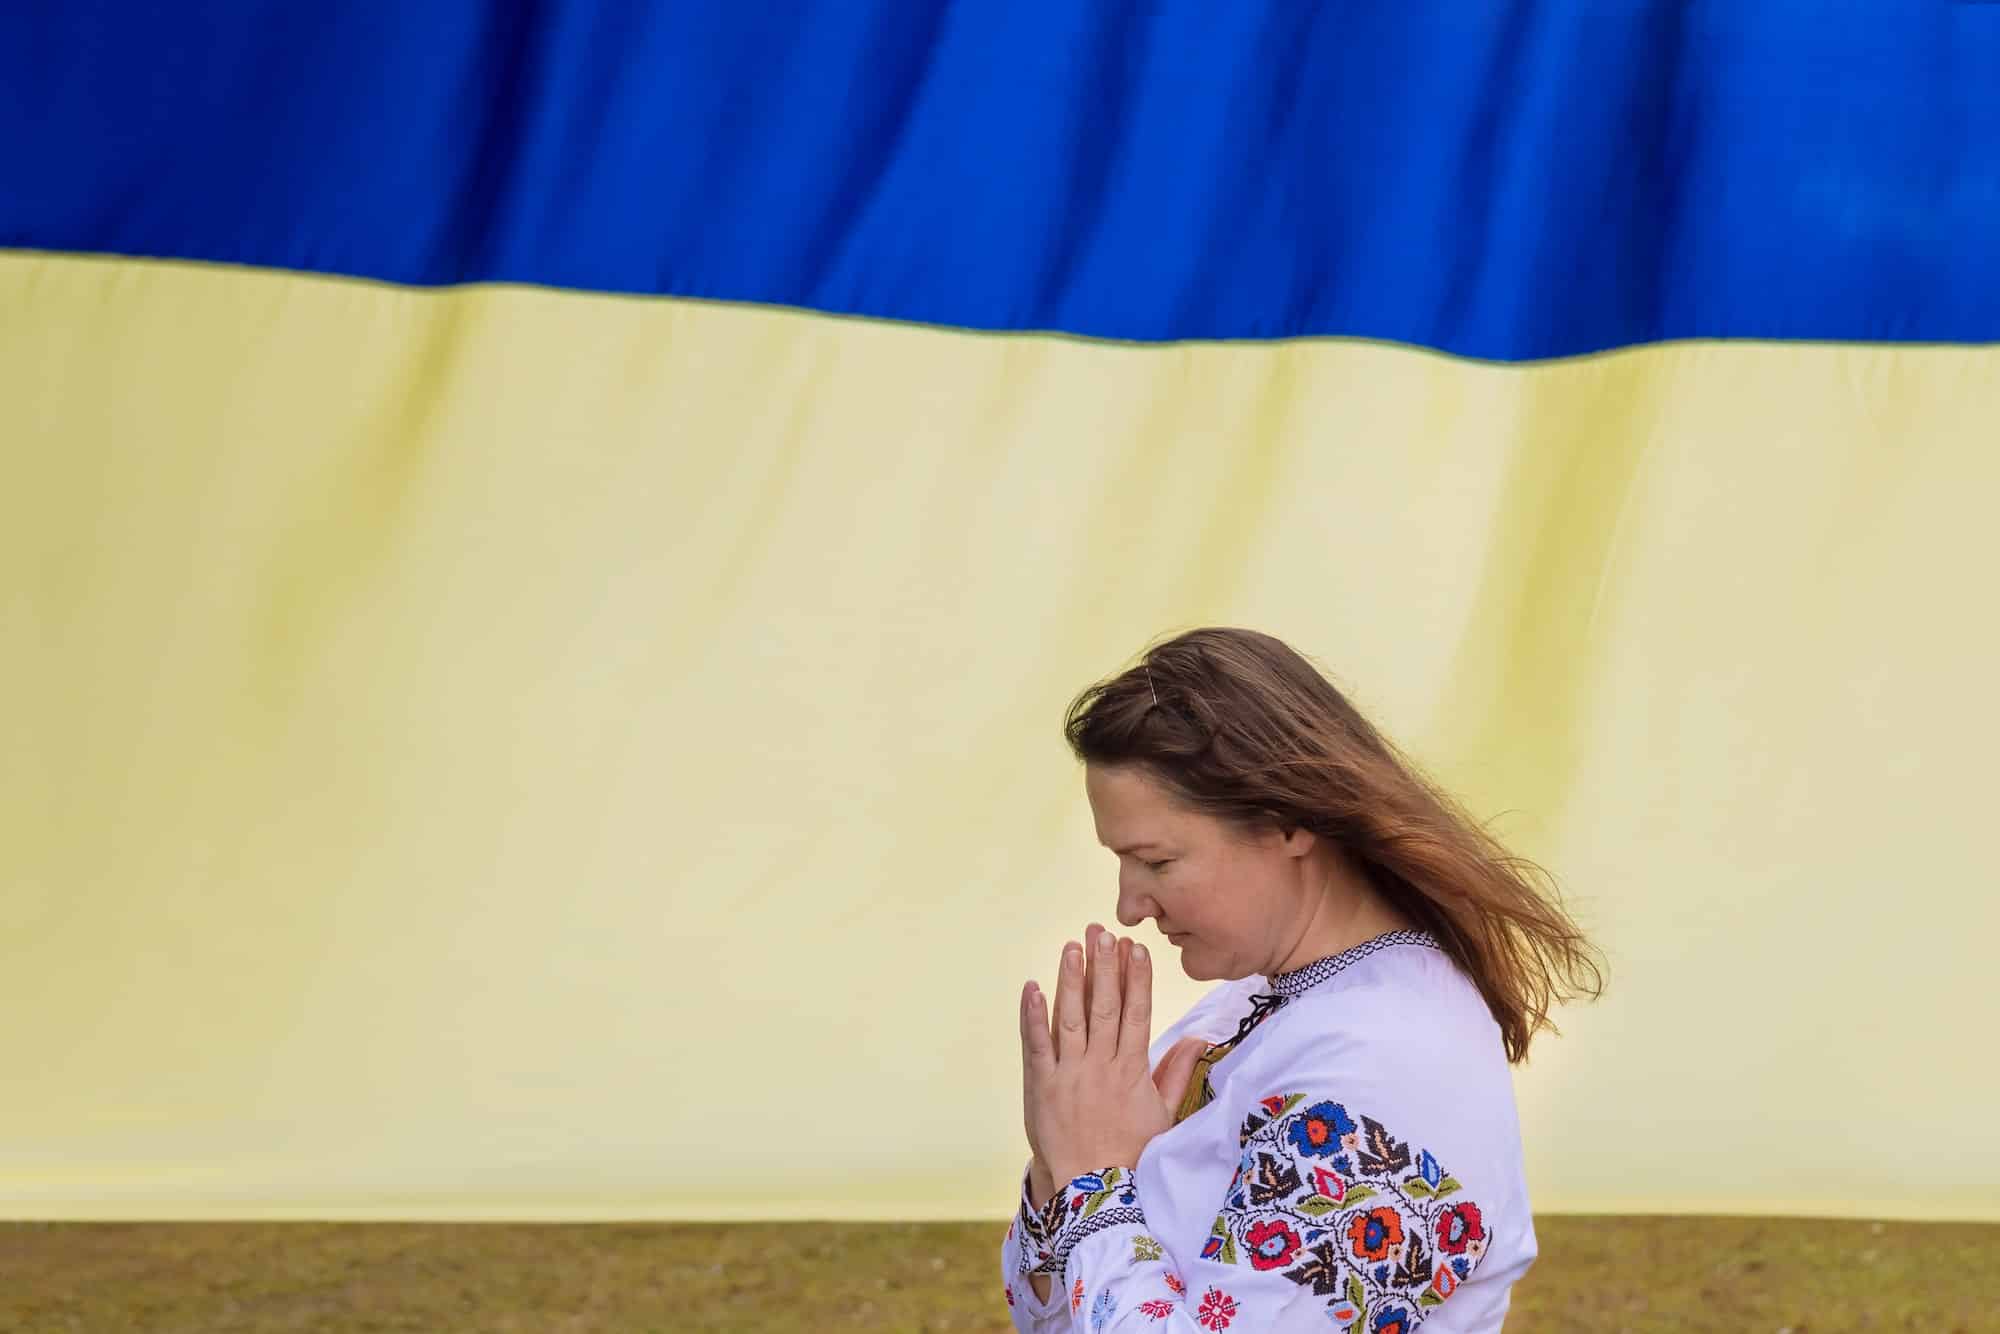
1158	864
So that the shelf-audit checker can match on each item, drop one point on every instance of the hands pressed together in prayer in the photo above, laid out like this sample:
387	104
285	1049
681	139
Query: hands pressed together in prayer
1088	1097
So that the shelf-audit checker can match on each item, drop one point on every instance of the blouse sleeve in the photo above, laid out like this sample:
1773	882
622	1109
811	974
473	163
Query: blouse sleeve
1330	1222
1026	1251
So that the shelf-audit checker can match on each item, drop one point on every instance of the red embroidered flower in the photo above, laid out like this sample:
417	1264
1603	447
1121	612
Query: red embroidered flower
1218	1308
1329	1184
1159	1308
1076	1297
1460	1226
1272	1244
1272	1104
1376	1233
1174	1282
1010	1294
1445	1282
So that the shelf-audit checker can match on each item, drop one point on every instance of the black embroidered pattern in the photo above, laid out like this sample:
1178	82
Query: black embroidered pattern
1083	1205
1300	980
1070	1234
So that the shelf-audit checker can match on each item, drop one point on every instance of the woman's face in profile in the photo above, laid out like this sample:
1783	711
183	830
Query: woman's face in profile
1223	902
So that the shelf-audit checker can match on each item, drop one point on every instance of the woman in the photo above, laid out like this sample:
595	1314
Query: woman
1328	1139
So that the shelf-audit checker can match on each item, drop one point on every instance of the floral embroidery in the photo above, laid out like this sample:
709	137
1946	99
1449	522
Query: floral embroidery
1173	1281
1376	1233
1459	1227
1076	1297
1319	1129
1085	1205
1101	1309
1010	1294
1159	1308
1145	1248
1218	1308
1335	1202
1378	1153
1271	1244
1393	1320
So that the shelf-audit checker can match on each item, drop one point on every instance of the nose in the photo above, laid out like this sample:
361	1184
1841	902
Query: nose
1133	905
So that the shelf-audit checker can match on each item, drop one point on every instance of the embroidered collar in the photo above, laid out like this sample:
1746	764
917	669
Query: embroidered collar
1301	979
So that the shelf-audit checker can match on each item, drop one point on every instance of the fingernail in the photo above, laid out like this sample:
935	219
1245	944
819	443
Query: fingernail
1139	953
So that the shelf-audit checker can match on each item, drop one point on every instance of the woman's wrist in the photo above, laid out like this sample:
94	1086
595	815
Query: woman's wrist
1041	1183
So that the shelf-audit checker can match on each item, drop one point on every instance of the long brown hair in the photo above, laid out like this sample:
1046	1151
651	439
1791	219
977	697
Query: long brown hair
1247	730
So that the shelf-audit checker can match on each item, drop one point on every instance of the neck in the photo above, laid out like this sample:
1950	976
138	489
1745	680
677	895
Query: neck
1345	912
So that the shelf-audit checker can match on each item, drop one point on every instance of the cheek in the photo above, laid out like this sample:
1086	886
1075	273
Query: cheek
1193	901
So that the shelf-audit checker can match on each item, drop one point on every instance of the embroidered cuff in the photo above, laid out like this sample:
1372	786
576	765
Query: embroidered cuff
1034	1245
1087	1204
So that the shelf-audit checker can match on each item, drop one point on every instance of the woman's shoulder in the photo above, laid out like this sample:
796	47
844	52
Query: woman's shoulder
1406	1019
1405	1053
1400	992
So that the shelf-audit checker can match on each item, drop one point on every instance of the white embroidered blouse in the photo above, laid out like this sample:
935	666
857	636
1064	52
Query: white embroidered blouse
1358	1168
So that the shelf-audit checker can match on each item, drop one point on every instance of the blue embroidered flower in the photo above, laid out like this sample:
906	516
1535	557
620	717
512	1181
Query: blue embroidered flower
1391	1320
1459	1266
1342	1165
1101	1309
1089	1183
1317	1130
1212	1249
1428	1166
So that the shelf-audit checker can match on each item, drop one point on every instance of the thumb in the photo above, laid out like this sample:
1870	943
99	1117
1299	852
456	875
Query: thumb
1170	1077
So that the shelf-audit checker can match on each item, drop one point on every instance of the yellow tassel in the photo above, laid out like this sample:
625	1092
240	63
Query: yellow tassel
1198	1093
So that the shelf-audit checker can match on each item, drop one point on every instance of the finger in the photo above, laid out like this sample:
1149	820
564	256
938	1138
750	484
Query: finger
1121	959
1138	1007
1106	1002
1070	1030
1090	935
1036	1052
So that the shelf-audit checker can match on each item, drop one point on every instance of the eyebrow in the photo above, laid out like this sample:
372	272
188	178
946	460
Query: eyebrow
1134	847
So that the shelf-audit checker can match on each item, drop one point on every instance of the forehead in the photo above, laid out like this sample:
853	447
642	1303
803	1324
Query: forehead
1129	807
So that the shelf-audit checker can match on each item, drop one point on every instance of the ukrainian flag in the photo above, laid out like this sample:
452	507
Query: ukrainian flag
543	547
